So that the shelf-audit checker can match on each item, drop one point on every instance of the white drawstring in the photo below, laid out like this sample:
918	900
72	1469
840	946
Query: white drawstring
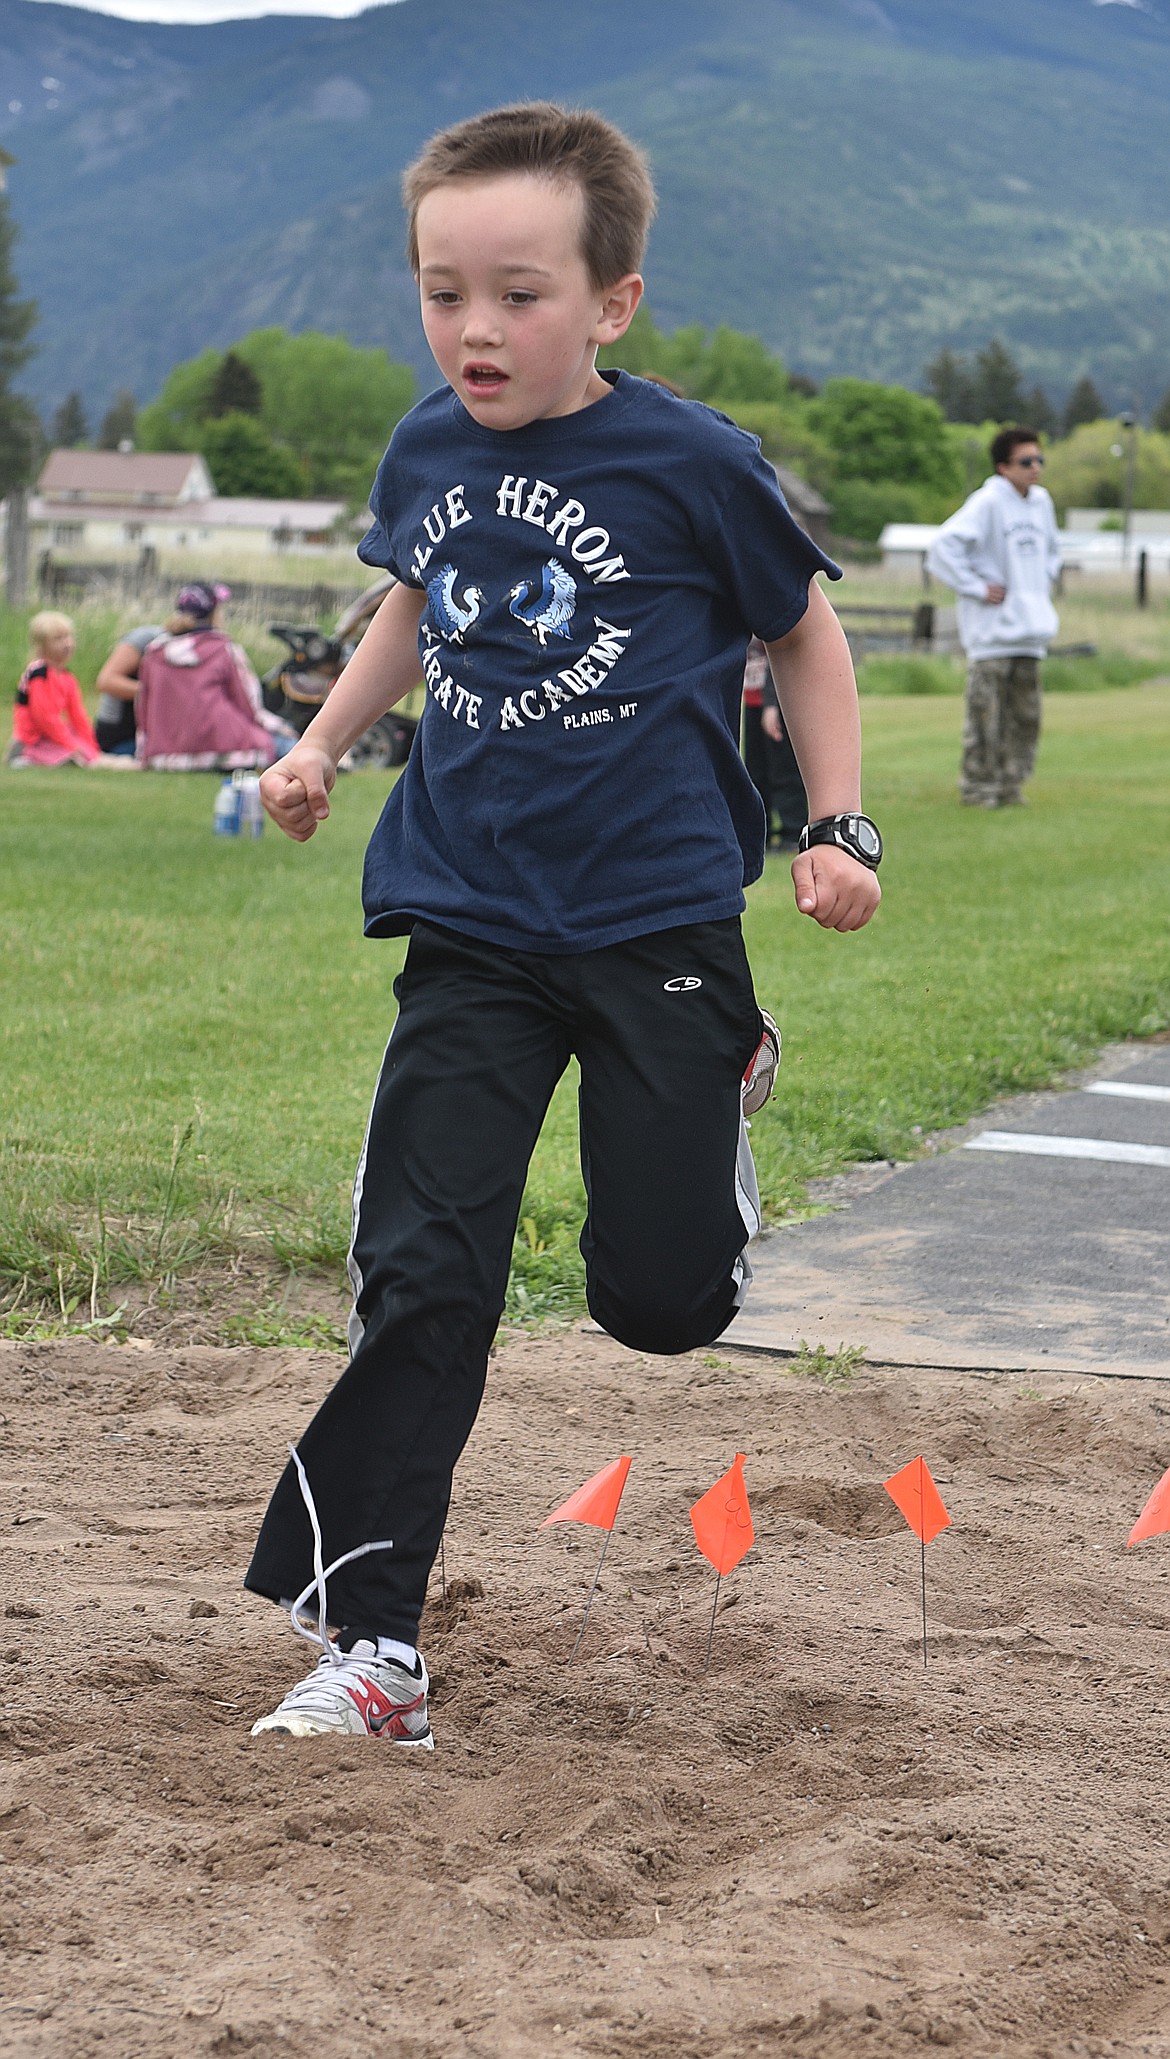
321	1572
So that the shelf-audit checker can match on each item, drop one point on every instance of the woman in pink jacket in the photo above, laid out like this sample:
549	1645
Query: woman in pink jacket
199	707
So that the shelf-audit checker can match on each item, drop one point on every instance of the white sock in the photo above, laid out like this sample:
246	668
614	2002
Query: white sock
402	1654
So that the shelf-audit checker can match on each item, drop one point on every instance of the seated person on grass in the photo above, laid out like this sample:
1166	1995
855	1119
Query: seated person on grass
49	722
199	705
117	685
582	558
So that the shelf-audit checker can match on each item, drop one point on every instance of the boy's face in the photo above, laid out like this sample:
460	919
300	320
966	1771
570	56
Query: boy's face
508	307
1024	467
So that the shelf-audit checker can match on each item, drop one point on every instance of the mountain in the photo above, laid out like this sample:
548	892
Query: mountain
857	181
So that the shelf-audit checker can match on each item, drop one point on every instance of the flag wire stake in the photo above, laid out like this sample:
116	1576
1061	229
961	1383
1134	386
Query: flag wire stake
922	1541
711	1630
589	1603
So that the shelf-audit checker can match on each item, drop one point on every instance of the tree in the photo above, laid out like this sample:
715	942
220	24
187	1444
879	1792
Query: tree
235	389
118	422
1084	470
996	395
1037	411
862	507
69	426
725	367
1162	414
243	459
174	420
886	433
1084	404
948	381
640	350
729	367
786	438
21	437
331	405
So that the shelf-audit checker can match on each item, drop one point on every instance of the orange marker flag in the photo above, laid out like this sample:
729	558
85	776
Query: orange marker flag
596	1502
913	1492
1155	1517
722	1522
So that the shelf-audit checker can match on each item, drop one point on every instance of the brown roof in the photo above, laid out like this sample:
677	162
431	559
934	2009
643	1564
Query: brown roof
115	471
799	494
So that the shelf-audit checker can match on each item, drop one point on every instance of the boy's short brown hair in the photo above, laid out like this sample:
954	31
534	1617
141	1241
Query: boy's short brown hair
568	146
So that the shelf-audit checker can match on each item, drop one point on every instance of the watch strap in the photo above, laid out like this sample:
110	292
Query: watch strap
854	833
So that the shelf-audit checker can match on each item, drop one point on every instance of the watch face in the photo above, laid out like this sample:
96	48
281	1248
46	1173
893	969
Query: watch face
867	836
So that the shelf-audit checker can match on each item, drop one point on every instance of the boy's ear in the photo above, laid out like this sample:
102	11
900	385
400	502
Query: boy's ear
618	308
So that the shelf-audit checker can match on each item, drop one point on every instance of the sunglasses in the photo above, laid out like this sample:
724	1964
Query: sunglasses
1029	464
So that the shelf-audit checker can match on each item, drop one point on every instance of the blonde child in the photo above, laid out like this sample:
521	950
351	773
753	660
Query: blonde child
49	723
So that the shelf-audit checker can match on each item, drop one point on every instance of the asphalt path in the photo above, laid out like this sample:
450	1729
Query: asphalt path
1037	1238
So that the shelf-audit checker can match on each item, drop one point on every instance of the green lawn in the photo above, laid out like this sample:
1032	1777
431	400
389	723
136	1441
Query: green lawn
190	1028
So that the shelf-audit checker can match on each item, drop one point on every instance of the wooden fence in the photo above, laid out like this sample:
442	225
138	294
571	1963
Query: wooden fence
59	580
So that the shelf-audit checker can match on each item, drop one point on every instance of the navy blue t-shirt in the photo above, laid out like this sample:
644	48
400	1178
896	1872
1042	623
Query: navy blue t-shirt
592	582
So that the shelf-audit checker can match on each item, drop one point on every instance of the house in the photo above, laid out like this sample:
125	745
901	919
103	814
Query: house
808	507
101	503
119	478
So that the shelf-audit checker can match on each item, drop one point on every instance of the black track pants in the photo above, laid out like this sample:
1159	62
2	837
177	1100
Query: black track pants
663	1027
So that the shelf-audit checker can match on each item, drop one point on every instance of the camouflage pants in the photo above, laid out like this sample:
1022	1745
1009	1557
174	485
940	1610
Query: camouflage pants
1001	729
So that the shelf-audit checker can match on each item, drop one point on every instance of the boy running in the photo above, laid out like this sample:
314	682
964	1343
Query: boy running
582	559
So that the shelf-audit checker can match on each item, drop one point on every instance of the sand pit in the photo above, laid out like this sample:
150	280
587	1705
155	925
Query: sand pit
814	1849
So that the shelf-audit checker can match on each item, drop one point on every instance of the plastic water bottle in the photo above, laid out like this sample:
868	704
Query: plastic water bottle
225	820
251	807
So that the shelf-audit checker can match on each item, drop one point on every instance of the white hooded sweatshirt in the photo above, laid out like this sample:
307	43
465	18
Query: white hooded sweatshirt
1001	538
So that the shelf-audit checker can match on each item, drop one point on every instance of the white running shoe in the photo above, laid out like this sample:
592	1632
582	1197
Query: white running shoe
356	1694
760	1076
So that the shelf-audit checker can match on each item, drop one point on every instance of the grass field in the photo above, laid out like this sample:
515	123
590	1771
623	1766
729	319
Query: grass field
191	1028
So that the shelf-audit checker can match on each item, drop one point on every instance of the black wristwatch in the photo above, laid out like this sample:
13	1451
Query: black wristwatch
853	833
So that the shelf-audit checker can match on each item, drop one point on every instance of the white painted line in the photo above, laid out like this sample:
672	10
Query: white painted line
1069	1147
1128	1090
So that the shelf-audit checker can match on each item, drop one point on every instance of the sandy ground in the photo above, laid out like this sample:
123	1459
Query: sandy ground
815	1848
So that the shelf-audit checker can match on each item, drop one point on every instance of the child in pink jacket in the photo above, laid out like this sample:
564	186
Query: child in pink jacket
49	723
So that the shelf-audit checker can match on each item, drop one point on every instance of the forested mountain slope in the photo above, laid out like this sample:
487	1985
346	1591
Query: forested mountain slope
859	181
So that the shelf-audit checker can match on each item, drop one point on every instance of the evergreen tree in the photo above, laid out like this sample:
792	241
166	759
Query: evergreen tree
235	389
996	395
948	380
20	431
1162	414
118	422
1084	404
1038	412
69	427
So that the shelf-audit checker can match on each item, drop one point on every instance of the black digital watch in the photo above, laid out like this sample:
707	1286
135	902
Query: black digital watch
853	833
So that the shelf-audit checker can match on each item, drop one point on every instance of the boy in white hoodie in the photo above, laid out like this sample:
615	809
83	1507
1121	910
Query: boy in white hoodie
1001	554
